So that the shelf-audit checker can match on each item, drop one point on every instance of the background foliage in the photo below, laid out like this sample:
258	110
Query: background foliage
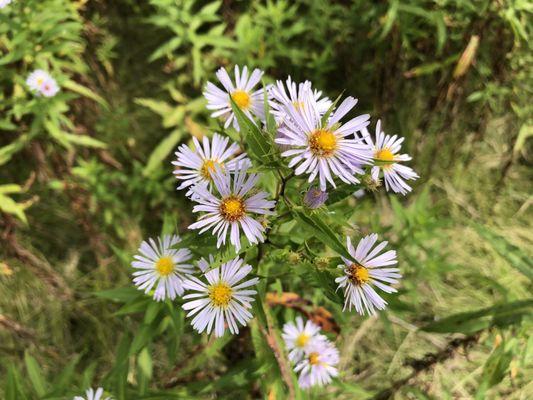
86	175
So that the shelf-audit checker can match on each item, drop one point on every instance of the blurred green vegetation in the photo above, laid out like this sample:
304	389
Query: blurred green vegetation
86	176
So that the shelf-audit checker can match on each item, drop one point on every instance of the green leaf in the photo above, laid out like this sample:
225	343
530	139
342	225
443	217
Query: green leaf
322	230
494	370
514	256
145	363
122	295
35	374
475	321
163	149
86	92
261	146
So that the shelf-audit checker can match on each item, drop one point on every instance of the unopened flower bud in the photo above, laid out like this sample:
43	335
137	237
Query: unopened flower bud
315	197
294	258
322	262
370	183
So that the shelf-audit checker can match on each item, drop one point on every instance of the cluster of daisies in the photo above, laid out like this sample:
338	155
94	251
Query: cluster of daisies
314	357
41	83
215	173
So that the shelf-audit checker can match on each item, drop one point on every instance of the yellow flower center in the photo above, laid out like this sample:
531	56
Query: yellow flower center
220	294
322	142
164	266
40	81
208	167
302	340
314	359
384	155
299	105
232	208
358	274
242	99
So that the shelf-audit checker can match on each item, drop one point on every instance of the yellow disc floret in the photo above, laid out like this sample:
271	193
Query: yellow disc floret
314	359
165	266
220	294
242	99
232	208
358	274
208	167
302	340
322	142
385	156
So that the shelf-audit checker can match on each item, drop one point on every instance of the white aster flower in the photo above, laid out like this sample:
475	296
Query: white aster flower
299	336
222	299
4	3
230	207
296	96
367	271
323	151
250	102
160	263
93	395
195	166
385	152
42	83
318	365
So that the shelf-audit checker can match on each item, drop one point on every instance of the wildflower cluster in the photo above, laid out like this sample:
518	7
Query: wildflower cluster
314	137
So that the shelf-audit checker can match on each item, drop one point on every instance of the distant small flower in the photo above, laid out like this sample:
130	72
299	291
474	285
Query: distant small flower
93	395
324	151
4	3
296	96
42	83
318	365
367	271
160	264
230	207
315	197
299	336
195	166
222	299
385	153
250	102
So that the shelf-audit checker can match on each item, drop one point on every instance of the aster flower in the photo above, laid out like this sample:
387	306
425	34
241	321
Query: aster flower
315	198
4	3
230	207
42	83
386	151
93	395
318	365
222	299
299	336
250	102
196	166
160	264
324	150
368	271
296	95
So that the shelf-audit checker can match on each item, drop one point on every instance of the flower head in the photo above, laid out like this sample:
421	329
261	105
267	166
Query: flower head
386	154
297	94
315	197
230	207
160	263
250	102
299	336
318	364
93	395
42	83
325	150
369	270
220	299
198	165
